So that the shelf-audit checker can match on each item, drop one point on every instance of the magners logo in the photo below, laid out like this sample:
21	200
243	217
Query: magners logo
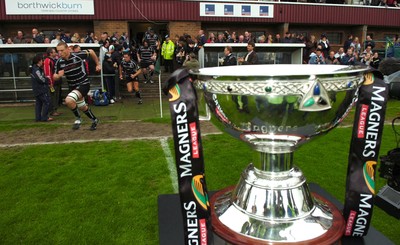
198	191
369	172
175	93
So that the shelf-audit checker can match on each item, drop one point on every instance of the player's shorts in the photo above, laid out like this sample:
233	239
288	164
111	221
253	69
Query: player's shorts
145	64
83	89
130	80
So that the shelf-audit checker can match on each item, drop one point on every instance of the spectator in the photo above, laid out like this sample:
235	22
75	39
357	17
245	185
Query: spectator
55	86
311	45
103	37
229	59
339	55
66	38
57	39
241	39
109	76
261	39
2	41
220	38
211	38
248	37
20	38
324	42
369	41
251	57
366	60
348	42
167	52
180	55
40	88
348	58
316	58
356	45
270	39
9	41
203	38
331	59
287	38
191	63
46	40
76	38
89	37
278	38
375	61
368	50
36	36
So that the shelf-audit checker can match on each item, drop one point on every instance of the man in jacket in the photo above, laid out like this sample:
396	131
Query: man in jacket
167	52
40	88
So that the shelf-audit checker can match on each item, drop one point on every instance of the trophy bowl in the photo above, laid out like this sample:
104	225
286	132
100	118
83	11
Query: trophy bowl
275	109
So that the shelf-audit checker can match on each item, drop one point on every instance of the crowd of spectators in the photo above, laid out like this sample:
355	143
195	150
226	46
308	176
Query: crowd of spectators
186	47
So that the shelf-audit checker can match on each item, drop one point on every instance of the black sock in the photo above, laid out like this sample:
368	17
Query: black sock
90	114
145	76
76	112
138	95
151	73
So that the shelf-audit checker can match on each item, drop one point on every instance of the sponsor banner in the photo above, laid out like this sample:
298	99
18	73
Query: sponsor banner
237	10
189	157
49	7
364	150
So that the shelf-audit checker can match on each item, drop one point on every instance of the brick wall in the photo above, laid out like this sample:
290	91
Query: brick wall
179	28
110	27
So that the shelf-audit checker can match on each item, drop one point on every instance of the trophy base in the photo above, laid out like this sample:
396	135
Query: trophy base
221	200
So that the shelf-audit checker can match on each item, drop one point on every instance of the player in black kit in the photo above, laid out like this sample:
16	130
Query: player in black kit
129	72
72	65
146	57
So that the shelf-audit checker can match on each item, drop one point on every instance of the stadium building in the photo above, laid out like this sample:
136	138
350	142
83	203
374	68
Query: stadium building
176	17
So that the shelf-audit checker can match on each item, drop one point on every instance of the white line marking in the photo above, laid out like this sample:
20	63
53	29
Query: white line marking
171	166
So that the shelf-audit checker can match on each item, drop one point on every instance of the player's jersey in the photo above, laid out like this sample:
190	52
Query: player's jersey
152	39
128	68
146	53
74	68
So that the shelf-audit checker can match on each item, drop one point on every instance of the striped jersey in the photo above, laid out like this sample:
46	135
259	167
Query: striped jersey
128	68
74	68
146	53
152	39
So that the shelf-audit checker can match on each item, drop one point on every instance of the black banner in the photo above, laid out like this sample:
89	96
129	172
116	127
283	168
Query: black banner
364	150
189	157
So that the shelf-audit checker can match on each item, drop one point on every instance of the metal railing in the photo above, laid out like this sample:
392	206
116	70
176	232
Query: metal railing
15	62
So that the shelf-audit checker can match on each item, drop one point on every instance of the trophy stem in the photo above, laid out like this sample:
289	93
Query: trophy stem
273	162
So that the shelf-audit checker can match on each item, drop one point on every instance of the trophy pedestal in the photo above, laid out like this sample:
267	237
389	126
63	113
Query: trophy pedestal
322	205
388	199
170	222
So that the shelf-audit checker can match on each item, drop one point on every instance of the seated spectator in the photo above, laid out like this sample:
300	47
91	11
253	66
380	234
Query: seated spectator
368	50
375	61
316	58
331	59
366	60
349	58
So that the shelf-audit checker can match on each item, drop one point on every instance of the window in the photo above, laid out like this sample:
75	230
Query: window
335	37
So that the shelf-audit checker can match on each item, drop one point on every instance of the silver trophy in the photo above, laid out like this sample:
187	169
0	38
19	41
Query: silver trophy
275	109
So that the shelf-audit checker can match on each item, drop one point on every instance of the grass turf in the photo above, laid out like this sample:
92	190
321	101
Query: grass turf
106	193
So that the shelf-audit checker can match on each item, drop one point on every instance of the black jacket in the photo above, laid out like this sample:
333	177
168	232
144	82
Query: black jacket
40	85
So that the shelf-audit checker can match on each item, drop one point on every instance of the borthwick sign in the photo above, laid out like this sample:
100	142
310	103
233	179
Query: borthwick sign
49	7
